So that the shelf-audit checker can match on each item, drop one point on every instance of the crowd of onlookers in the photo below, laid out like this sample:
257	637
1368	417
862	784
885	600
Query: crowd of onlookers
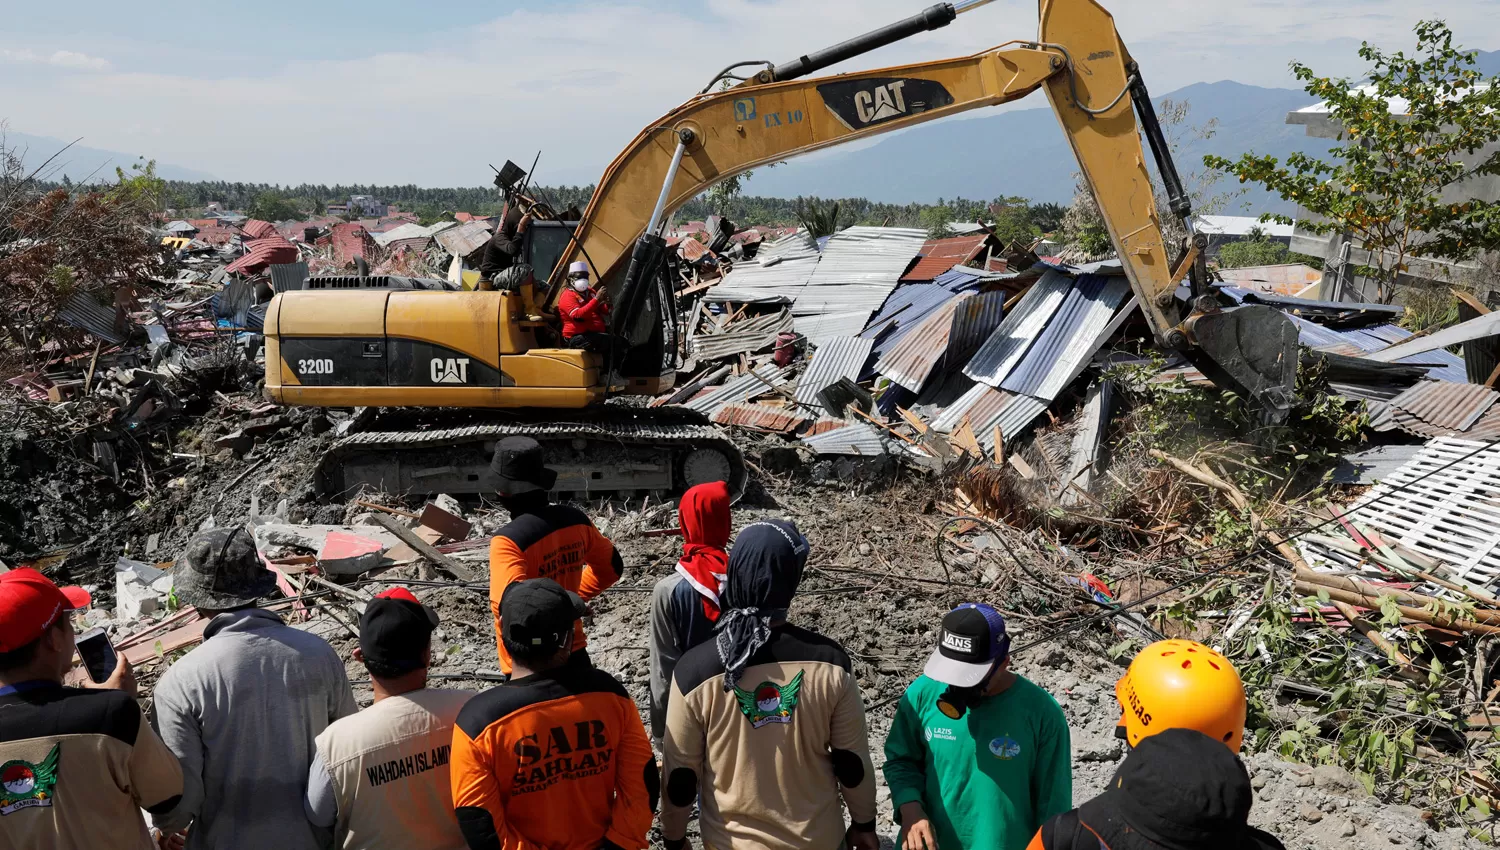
257	741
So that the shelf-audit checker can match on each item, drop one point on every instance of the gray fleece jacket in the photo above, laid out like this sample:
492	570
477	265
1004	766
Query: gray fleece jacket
241	712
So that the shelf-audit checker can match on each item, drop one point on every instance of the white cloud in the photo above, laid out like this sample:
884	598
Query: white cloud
579	80
57	58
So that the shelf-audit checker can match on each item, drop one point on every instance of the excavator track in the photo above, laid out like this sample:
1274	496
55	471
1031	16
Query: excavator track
602	453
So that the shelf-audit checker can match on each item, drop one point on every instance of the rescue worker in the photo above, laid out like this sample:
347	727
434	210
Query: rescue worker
977	757
542	539
556	757
79	764
765	725
685	604
379	779
583	310
1183	786
504	248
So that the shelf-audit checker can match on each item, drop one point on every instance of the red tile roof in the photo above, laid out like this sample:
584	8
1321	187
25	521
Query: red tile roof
257	229
940	255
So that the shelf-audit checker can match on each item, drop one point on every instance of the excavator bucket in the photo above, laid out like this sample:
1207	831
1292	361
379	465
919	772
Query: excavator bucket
1252	350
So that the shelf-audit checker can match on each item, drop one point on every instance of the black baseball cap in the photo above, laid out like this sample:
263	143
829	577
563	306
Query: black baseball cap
1178	789
973	638
521	466
395	630
539	613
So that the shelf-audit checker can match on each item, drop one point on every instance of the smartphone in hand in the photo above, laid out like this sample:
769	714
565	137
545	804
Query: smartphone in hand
97	654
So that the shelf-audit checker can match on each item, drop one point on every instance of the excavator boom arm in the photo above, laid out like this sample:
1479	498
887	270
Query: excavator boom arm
1078	57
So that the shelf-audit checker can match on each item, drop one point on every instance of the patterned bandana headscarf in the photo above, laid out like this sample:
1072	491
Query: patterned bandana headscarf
703	516
764	571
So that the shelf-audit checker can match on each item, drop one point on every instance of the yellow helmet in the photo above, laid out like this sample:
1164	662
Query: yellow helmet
1182	684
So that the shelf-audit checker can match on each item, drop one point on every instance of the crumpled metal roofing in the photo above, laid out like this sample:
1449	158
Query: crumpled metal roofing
465	239
1373	465
910	303
857	270
1008	344
860	438
743	388
1440	364
1070	337
986	408
264	253
839	357
1445	404
411	231
257	229
83	312
940	255
949	335
780	270
742	337
760	417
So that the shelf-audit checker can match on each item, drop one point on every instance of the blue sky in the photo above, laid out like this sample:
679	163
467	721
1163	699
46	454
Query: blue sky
399	92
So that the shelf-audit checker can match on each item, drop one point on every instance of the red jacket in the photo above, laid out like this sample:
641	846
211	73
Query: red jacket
581	316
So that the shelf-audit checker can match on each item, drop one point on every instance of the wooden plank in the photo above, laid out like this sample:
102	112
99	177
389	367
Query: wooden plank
423	548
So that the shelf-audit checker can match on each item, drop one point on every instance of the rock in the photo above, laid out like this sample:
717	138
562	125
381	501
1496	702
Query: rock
1055	658
237	442
139	589
1258	781
863	548
1336	780
781	460
1098	749
1311	814
1348	831
317	424
1303	780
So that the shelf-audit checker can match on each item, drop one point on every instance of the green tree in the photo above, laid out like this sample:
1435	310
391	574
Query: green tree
272	206
1258	250
1385	188
1048	217
820	218
1013	222
936	220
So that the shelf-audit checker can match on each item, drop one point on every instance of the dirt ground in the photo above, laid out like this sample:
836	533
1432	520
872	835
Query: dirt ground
862	536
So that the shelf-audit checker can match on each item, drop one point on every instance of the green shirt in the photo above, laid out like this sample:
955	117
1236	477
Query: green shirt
989	779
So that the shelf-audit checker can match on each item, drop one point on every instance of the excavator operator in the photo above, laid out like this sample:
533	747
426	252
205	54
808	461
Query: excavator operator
1182	786
504	248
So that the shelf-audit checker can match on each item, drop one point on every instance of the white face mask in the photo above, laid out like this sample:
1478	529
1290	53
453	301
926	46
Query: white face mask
581	284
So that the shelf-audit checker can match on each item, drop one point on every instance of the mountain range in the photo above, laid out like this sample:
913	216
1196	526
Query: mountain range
1022	152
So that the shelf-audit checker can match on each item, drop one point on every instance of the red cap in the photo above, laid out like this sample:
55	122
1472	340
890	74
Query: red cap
30	603
398	593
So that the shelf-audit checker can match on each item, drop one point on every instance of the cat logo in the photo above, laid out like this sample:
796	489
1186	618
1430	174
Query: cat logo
881	103
453	370
858	104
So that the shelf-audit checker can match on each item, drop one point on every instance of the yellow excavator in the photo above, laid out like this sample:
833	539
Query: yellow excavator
405	350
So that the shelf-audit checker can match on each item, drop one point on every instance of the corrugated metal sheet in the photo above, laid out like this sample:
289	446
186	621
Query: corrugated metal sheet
949	335
742	337
743	388
1480	355
1449	512
821	328
1373	465
778	272
264	253
465	239
940	255
1009	343
760	417
84	312
910	303
857	270
286	277
406	231
257	229
1483	326
1445	404
860	438
1440	364
839	357
986	408
1070	337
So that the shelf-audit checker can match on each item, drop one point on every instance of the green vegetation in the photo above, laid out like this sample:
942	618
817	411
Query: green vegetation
1385	186
1260	250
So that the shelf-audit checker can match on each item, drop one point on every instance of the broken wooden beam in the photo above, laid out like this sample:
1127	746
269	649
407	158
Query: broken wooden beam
423	548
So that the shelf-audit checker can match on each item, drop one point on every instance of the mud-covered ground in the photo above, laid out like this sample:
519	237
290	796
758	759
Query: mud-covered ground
860	535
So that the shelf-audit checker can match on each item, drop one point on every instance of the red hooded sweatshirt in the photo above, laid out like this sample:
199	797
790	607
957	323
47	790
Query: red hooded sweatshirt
703	515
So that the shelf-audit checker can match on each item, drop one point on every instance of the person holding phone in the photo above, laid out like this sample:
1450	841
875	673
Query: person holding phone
77	765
